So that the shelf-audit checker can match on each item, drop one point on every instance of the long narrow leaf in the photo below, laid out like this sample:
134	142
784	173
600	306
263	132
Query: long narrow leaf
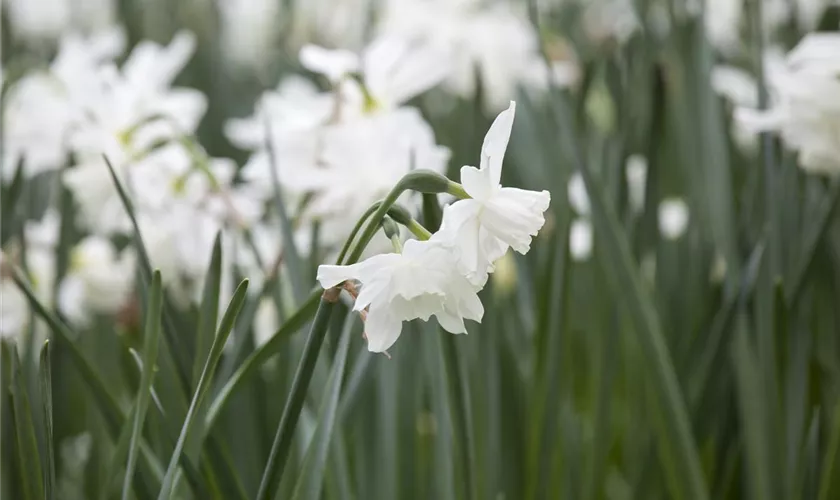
29	461
311	480
45	378
179	350
204	383
150	349
250	366
209	309
294	404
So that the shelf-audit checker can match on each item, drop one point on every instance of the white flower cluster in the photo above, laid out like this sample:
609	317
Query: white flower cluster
343	149
804	108
83	109
441	276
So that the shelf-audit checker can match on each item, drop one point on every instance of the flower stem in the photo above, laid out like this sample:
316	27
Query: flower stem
457	190
418	230
294	404
423	181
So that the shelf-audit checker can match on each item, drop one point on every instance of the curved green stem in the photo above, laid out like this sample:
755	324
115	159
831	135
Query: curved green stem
458	191
418	230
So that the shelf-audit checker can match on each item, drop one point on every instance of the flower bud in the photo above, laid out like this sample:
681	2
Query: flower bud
400	214
392	230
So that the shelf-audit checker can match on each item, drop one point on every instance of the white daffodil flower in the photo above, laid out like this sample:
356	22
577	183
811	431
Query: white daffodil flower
100	280
805	111
396	69
494	43
495	218
420	282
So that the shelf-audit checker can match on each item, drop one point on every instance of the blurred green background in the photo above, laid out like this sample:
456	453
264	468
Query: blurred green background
701	366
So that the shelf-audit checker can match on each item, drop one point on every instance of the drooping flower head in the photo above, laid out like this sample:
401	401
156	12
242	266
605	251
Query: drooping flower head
420	282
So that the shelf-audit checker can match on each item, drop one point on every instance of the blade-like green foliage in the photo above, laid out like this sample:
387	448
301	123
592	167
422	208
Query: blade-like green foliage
210	364
150	348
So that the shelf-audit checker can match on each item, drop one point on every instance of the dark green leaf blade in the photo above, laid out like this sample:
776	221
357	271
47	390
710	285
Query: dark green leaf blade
150	349
45	379
311	479
215	355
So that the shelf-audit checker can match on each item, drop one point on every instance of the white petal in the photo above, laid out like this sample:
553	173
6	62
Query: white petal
333	64
382	329
330	276
514	215
496	142
477	183
450	322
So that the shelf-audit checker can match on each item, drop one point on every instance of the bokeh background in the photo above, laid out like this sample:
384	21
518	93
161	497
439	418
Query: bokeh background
674	331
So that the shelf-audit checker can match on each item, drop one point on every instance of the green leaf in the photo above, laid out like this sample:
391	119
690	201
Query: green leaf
45	379
216	349
111	412
830	474
150	349
677	447
463	434
294	264
209	309
551	332
106	402
175	341
812	236
10	200
281	447
250	366
754	423
26	444
311	479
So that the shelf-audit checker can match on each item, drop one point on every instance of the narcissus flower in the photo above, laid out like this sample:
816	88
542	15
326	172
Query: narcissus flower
495	218
420	282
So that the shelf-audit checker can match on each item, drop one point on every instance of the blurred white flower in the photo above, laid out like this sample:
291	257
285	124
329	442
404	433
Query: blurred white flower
14	310
495	218
804	109
40	236
42	108
580	239
420	282
578	197
296	106
396	69
333	64
673	218
636	174
392	69
180	245
361	161
726	20
492	41
98	282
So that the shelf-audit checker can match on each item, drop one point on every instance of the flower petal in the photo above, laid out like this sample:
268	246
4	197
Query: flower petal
382	329
496	142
